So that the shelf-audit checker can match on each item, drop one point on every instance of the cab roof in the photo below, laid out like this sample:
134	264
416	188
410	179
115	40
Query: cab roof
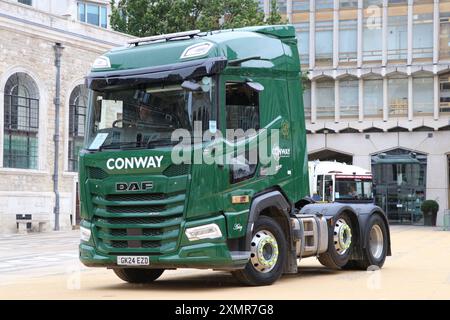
269	46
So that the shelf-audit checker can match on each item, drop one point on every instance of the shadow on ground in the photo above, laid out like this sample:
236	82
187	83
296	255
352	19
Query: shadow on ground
218	280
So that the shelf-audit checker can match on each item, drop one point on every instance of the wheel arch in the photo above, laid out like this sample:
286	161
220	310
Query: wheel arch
274	204
364	219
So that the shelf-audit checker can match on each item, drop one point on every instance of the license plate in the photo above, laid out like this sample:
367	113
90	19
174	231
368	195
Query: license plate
133	261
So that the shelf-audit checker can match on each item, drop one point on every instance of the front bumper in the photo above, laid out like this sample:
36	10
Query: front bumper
201	254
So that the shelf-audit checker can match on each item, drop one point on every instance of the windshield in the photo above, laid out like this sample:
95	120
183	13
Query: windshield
145	116
353	189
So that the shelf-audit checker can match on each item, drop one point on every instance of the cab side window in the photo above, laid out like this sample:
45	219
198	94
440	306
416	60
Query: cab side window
242	107
242	113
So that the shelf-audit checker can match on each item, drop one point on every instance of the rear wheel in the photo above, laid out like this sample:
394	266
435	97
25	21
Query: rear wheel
268	253
340	243
138	275
376	243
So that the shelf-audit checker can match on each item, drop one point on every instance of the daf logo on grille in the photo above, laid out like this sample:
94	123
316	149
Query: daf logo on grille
134	186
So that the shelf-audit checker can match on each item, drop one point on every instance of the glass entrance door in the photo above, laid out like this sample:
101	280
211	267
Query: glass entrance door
399	185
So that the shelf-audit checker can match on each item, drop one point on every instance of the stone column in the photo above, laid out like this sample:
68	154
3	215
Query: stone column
361	100
436	30
385	99
436	97
313	101
337	110
410	99
312	34
410	32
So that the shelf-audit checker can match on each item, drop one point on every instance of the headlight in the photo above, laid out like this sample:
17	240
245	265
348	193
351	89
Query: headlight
196	50
208	231
85	234
101	63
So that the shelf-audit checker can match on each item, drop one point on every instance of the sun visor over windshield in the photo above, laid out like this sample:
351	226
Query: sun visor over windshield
171	73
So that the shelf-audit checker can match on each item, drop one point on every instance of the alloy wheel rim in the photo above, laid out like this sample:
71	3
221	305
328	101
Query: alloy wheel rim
376	241
264	251
342	236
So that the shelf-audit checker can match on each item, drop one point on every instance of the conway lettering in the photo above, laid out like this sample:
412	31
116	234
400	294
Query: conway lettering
134	163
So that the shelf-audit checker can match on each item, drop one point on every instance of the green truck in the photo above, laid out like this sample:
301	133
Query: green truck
152	199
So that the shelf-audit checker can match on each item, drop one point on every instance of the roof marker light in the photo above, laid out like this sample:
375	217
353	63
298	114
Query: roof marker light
102	63
196	50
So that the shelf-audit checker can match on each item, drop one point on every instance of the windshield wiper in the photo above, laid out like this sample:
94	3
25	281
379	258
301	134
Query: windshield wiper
160	143
122	145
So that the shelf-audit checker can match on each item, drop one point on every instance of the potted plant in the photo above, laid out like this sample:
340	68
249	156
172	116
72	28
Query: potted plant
430	209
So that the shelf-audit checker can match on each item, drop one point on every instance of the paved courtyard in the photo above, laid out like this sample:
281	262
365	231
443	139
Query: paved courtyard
46	266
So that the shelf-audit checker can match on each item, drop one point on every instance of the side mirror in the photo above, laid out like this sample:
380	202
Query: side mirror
191	86
255	86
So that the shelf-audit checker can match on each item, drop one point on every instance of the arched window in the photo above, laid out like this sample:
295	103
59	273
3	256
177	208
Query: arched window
77	117
21	122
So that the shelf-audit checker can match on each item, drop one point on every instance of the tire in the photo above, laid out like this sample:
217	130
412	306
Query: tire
138	275
338	254
260	271
373	254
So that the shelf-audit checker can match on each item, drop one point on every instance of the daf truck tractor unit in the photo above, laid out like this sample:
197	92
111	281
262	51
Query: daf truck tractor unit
149	199
331	181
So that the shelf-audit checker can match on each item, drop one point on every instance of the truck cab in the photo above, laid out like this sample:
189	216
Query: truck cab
332	181
195	157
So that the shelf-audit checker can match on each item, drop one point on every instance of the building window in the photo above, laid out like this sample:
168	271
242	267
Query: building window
282	6
397	2
307	99
324	42
423	34
92	13
397	34
21	122
373	97
348	97
28	2
300	5
346	4
444	42
444	103
303	42
372	34
324	4
325	99
348	40
77	119
368	3
423	95
398	96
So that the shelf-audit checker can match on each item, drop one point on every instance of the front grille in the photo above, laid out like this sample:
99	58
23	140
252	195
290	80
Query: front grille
123	232
146	223
137	220
96	173
176	170
136	197
135	209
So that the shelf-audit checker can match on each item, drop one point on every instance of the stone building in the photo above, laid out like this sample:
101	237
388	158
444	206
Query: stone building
31	33
377	93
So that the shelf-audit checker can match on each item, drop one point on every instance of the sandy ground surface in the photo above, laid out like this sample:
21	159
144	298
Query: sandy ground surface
45	266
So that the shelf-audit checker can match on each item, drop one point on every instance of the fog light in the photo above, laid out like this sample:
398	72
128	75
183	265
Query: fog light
85	234
208	231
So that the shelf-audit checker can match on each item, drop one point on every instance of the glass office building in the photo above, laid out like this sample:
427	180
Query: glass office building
377	93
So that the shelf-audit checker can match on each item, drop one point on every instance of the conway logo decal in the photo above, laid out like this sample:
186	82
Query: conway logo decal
134	163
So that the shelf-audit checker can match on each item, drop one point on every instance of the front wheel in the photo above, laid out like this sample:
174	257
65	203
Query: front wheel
138	275
268	254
